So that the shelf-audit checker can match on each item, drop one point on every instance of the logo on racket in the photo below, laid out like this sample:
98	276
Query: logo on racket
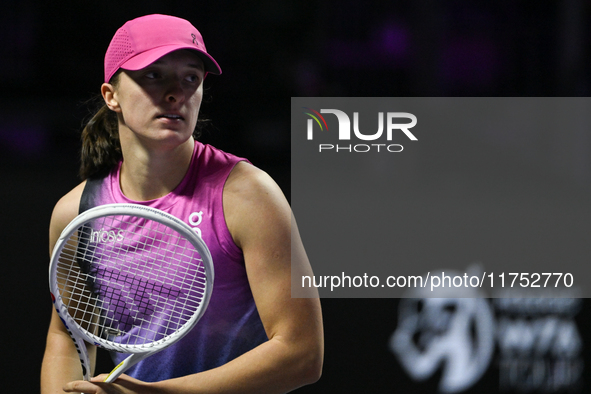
104	236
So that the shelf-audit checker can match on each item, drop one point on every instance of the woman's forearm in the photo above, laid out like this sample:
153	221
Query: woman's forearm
276	366
61	363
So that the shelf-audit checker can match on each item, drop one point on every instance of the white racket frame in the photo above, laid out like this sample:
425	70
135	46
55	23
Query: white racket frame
138	352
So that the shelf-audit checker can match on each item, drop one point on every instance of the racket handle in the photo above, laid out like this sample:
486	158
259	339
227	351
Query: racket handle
83	356
125	365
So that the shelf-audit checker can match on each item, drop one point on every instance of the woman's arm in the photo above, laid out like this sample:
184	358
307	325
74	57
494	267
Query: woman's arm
61	363
260	221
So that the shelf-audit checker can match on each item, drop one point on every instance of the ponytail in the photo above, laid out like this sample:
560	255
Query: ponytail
101	149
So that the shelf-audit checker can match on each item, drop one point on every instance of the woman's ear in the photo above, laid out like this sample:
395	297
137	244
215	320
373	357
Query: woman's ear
110	97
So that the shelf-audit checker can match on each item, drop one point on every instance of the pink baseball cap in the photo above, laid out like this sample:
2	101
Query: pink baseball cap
142	41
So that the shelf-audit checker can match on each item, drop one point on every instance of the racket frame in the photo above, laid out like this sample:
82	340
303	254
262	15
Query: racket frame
138	352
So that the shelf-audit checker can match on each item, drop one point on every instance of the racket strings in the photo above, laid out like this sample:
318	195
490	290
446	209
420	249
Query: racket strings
130	281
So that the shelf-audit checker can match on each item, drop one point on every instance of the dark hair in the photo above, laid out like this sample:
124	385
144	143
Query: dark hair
101	149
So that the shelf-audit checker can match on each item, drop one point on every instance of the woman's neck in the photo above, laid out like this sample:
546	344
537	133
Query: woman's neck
150	174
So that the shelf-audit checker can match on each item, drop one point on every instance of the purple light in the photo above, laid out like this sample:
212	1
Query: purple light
387	46
24	139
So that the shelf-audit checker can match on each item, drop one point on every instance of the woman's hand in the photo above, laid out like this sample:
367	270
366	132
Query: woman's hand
122	385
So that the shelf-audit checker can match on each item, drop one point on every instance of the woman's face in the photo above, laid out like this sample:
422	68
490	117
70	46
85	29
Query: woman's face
159	103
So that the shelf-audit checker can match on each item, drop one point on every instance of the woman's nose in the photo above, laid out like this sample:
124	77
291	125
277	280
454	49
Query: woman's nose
175	92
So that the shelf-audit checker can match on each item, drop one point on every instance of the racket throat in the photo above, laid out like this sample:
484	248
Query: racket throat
125	365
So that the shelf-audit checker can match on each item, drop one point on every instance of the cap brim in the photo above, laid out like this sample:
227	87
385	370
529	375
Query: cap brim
146	58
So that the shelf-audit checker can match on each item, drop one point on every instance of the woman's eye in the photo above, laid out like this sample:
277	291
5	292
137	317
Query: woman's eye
192	78
152	75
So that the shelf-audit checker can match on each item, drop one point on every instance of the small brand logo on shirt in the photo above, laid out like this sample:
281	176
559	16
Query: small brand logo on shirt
195	220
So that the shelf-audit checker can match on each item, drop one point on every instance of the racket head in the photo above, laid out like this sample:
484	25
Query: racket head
130	278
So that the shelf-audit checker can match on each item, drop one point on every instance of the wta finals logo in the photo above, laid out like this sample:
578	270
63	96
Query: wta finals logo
454	335
344	131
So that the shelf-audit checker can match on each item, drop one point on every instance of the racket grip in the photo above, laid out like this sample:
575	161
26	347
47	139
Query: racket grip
125	365
83	355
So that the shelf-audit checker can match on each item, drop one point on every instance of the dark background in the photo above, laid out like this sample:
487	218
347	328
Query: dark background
51	63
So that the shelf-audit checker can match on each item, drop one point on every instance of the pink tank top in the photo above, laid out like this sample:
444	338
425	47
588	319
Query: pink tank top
231	325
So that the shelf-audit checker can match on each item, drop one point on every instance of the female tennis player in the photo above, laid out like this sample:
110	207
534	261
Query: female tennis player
139	148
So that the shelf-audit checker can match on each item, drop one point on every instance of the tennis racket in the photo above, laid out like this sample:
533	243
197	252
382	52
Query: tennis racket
130	279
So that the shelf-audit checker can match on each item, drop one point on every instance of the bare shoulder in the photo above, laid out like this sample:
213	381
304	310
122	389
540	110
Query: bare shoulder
246	181
251	199
64	211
